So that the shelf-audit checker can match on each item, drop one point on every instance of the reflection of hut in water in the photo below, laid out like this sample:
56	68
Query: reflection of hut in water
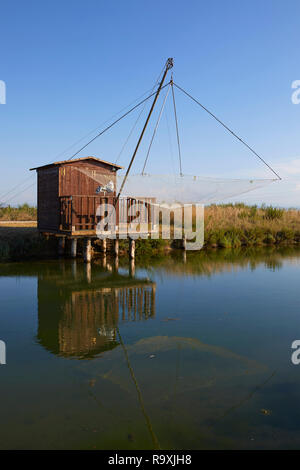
82	323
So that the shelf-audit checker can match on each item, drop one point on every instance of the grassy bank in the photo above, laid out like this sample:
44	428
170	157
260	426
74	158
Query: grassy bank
226	226
18	243
237	225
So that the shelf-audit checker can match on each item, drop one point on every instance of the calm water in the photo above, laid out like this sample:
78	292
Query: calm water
188	354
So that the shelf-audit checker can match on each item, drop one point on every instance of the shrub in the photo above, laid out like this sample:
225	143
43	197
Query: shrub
272	213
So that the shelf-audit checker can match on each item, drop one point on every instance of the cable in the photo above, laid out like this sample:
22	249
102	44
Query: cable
170	144
98	135
115	122
20	192
229	130
155	129
177	132
75	143
16	187
138	118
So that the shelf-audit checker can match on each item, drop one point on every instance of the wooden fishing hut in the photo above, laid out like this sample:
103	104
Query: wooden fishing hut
69	195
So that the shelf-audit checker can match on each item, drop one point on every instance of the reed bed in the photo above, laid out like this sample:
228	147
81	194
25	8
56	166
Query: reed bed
228	226
22	212
234	225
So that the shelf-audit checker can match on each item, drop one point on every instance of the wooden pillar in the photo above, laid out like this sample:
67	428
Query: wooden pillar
132	267
88	272
73	247
87	250
104	245
61	246
131	248
184	242
74	268
116	247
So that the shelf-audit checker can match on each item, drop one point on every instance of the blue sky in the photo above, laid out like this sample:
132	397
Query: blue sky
69	66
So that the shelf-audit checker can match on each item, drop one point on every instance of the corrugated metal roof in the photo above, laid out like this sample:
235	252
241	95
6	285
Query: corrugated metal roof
77	160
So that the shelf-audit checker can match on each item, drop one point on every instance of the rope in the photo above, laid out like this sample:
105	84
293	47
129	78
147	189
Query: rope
64	151
17	186
170	143
17	194
155	129
229	130
177	132
138	118
115	122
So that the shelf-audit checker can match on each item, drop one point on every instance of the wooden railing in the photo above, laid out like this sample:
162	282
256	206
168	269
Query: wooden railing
80	212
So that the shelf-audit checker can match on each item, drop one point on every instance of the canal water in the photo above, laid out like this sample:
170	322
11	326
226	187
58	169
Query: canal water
182	352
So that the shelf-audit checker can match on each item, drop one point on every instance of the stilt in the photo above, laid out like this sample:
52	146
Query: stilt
61	246
87	250
104	245
116	247
73	247
132	267
109	267
184	242
74	268
131	248
116	266
104	261
88	272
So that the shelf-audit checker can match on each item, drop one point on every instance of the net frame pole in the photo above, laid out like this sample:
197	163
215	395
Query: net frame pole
169	65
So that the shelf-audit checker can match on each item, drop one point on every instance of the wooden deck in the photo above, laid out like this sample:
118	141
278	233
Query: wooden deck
79	216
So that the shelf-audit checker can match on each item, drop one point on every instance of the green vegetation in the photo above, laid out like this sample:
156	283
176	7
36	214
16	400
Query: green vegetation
234	225
19	243
22	212
227	226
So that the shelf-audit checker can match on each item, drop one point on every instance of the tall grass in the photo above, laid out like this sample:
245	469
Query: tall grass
232	225
22	212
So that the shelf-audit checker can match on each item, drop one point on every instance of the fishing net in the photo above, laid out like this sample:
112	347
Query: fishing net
186	189
172	189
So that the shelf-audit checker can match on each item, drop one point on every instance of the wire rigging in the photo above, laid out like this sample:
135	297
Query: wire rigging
115	122
171	84
20	192
229	130
155	129
4	195
170	143
138	118
177	132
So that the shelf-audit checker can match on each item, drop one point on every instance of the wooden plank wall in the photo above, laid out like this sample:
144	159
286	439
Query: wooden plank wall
48	201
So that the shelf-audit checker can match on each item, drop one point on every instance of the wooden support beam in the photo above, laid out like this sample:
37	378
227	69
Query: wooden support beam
73	247
61	246
131	248
87	250
88	272
116	247
132	268
74	269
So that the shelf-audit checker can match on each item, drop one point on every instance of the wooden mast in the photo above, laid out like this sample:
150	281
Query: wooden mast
169	65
